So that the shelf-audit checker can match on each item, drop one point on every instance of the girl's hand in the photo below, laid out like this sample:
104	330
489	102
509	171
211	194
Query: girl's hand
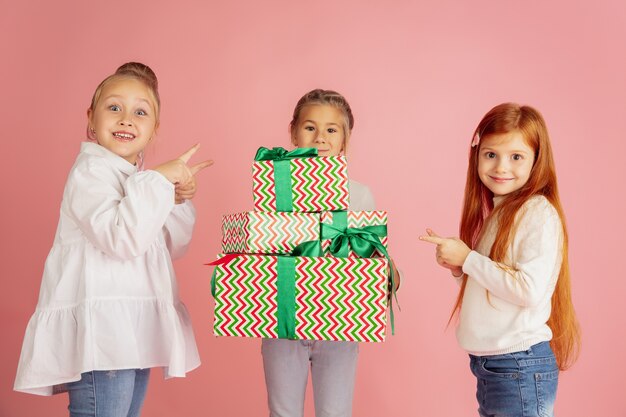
451	252
178	172
185	191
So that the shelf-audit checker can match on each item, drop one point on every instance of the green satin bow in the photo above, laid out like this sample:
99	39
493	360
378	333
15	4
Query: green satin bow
281	154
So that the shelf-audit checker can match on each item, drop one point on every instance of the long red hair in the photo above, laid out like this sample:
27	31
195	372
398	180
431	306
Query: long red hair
478	206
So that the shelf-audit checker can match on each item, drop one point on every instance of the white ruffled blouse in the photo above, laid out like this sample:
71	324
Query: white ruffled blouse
109	298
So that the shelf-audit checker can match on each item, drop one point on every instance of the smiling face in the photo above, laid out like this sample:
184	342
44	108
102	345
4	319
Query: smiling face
320	126
504	162
124	119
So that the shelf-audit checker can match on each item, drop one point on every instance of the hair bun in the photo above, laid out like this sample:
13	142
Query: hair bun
139	70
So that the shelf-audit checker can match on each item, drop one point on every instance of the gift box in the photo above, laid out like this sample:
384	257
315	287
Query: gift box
268	232
365	227
299	180
300	297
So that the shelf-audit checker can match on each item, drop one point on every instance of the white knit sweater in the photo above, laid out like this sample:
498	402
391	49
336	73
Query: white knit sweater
507	311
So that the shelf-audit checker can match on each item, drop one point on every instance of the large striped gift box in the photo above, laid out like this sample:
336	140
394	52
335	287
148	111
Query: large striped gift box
300	298
266	232
299	181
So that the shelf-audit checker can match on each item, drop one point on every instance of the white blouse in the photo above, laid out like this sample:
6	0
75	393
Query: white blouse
109	298
506	311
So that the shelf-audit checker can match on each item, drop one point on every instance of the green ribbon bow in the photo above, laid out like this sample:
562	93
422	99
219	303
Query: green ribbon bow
282	171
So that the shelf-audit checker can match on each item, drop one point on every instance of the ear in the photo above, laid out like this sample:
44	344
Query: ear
294	142
156	130
89	117
344	146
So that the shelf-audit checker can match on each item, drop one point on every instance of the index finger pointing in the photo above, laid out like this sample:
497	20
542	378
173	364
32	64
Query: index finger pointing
432	239
185	157
200	166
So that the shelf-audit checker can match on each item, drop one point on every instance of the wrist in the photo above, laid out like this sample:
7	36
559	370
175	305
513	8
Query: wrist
457	272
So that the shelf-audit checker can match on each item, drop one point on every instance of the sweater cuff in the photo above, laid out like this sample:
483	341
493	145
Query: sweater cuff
471	263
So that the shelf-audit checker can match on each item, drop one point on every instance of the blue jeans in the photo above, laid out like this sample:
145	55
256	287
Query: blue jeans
117	393
518	384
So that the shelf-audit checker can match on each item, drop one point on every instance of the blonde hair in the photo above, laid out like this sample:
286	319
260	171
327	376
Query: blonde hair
478	205
135	71
328	98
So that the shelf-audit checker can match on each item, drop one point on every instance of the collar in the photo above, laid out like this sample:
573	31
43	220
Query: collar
498	200
92	148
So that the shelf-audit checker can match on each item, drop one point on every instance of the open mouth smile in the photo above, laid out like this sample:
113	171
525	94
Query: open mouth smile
123	136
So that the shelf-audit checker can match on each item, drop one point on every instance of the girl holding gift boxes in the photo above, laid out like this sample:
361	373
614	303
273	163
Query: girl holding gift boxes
516	318
322	119
108	308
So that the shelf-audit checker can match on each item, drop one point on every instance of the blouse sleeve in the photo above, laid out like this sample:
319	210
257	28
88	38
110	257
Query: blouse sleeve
178	228
361	197
124	222
536	255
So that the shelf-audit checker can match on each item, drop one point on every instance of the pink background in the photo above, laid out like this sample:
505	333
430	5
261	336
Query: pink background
419	76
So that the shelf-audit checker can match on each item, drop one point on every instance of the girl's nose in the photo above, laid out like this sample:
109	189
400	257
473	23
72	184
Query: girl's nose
125	119
502	166
320	139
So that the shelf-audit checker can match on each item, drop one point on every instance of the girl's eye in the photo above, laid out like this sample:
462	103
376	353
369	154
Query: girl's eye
517	157
114	107
309	128
331	130
490	155
141	113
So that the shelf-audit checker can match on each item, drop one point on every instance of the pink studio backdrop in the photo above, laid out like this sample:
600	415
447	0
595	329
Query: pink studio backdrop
419	76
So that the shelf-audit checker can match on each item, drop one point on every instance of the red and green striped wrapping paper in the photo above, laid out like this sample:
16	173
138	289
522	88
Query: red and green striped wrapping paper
317	184
355	220
268	232
331	298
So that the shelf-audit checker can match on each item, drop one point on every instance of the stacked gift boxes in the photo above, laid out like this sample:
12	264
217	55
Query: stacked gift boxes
335	289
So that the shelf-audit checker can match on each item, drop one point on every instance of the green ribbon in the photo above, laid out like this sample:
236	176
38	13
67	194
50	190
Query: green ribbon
362	240
281	154
286	300
282	171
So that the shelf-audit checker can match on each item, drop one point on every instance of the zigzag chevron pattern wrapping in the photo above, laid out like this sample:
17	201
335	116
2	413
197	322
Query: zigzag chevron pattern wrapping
267	232
245	297
317	184
336	298
358	219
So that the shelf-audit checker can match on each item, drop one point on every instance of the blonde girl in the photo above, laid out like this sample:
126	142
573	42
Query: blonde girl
516	318
108	307
322	119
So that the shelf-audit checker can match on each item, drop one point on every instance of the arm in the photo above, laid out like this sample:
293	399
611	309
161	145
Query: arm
178	228
122	220
536	249
363	199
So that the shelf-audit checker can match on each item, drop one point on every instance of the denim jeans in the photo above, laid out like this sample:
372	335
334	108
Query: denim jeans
333	368
117	393
518	384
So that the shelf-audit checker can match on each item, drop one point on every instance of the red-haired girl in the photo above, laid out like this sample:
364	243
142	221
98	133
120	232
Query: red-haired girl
516	318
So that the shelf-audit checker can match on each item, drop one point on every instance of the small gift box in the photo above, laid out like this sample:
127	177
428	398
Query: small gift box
300	297
299	180
267	232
